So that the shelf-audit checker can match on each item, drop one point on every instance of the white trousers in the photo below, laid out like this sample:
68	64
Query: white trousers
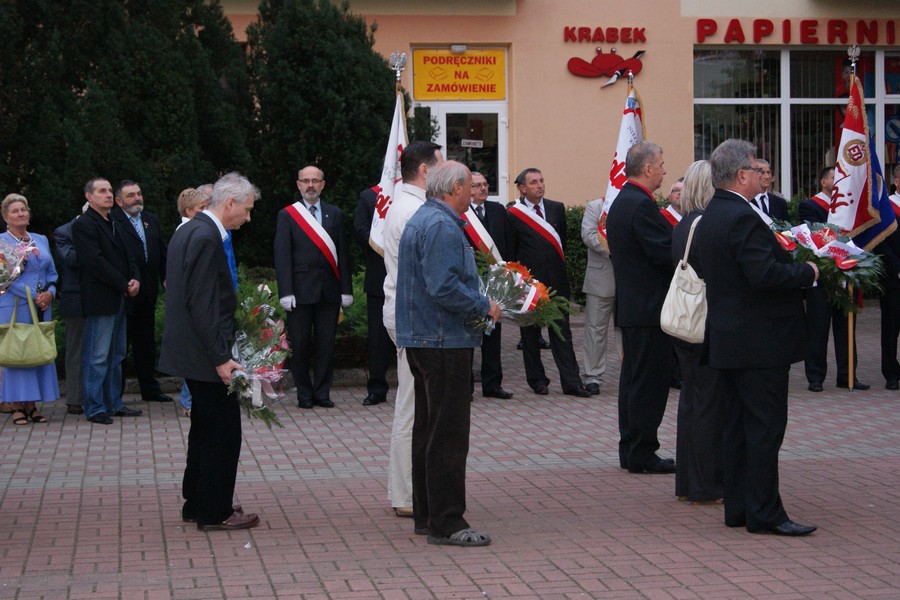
400	458
597	314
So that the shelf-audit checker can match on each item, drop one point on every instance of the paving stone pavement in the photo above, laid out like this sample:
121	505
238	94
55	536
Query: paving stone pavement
91	511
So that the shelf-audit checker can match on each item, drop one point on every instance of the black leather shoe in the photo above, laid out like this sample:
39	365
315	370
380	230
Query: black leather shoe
326	403
857	385
545	345
660	466
128	412
101	418
792	529
519	345
892	384
373	399
159	398
541	390
305	404
675	384
74	409
816	386
498	393
593	388
581	392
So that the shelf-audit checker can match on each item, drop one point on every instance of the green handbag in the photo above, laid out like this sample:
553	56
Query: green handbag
27	344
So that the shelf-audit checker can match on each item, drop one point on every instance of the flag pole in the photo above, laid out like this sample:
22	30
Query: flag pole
853	53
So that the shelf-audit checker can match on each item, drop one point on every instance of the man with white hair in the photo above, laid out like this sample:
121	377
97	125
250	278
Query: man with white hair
438	293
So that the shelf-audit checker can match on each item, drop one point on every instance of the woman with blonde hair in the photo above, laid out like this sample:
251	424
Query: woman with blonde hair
698	461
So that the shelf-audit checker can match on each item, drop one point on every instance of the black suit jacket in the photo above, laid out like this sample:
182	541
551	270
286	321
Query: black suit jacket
362	225
809	210
105	263
640	246
495	223
755	314
778	206
67	266
153	268
200	303
300	267
527	247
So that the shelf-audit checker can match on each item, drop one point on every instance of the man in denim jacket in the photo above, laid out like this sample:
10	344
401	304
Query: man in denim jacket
437	295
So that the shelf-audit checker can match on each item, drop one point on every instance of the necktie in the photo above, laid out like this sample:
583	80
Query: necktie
139	227
313	210
479	210
764	202
537	209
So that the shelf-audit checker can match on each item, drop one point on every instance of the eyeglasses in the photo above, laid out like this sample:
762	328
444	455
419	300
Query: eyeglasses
757	169
480	184
310	181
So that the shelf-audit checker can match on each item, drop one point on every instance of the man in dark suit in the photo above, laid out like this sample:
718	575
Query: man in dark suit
197	342
108	274
821	314
492	218
768	201
141	234
312	266
640	245
754	331
536	235
380	348
70	310
889	250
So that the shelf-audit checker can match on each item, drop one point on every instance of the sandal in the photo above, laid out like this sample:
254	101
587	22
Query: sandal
21	420
463	537
36	417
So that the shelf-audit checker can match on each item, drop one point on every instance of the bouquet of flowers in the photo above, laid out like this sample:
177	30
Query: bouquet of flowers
842	264
261	348
523	300
12	262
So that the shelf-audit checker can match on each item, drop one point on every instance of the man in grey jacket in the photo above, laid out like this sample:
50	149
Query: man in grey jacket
600	289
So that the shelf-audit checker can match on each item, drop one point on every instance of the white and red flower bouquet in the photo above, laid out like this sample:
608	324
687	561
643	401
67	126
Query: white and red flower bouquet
261	348
12	262
842	264
523	300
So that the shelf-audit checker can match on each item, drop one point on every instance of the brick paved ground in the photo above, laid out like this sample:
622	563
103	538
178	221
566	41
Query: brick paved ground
89	511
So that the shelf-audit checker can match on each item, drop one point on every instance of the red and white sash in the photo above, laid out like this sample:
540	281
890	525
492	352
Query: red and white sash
480	237
895	203
822	200
316	233
671	215
540	227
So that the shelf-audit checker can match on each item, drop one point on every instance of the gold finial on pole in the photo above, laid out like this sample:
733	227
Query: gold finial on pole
398	63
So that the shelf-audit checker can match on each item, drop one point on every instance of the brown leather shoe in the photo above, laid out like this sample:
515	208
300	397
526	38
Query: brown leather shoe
403	511
237	520
192	518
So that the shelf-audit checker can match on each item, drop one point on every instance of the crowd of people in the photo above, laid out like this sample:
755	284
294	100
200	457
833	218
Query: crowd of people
764	313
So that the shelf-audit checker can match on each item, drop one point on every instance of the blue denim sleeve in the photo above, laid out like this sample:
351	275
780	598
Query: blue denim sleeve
451	278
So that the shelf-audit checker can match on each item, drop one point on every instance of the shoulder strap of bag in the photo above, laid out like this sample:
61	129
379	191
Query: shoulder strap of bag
687	248
34	317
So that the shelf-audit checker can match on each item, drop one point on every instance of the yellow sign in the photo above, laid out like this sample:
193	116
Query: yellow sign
472	75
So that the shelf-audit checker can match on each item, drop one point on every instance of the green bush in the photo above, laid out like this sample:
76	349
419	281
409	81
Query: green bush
576	253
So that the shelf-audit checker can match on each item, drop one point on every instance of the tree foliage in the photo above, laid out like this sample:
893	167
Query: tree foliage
324	98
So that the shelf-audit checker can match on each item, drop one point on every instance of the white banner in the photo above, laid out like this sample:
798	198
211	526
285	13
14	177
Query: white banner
390	184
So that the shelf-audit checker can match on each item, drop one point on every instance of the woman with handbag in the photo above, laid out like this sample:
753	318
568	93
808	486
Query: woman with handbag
24	387
698	445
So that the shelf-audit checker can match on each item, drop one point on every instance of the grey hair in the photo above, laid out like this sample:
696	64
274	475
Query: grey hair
639	156
232	185
728	158
440	180
698	188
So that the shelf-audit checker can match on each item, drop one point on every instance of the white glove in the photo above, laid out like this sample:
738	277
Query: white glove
346	300
288	302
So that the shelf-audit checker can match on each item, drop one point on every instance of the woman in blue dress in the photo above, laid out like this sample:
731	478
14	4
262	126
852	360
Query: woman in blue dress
22	388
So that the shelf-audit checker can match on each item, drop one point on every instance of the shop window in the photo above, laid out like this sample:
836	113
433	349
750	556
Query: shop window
827	74
758	123
736	74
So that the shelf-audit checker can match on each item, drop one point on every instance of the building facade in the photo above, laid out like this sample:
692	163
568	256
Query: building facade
542	83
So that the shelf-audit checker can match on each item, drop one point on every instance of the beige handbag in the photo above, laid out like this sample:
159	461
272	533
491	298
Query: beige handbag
27	344
684	310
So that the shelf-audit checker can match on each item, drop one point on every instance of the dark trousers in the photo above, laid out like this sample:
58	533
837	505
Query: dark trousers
380	348
440	442
890	329
698	447
214	446
643	392
821	315
563	355
313	325
491	369
755	405
74	341
140	327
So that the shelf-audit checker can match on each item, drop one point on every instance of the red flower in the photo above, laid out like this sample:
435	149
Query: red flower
786	243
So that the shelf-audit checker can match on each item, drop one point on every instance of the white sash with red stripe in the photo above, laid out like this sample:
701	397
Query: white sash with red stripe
823	200
671	215
540	226
480	237
316	233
